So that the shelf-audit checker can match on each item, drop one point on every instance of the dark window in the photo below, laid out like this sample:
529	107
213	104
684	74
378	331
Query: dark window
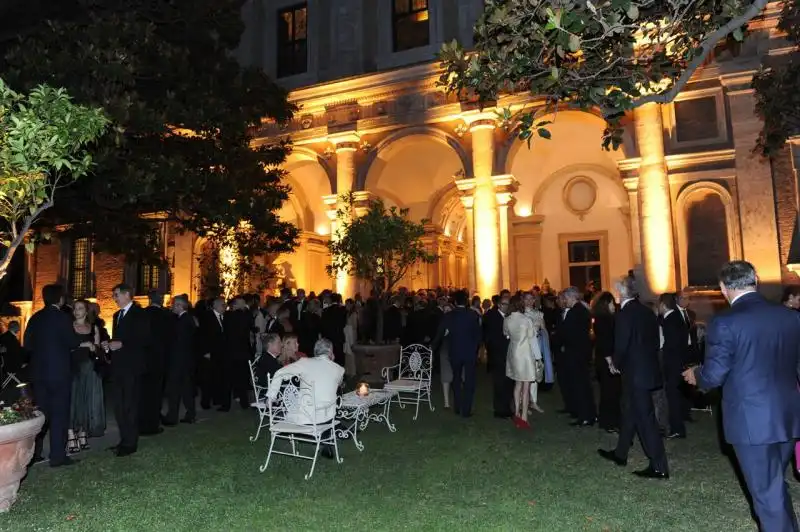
696	119
149	278
410	26
292	41
585	264
80	268
707	232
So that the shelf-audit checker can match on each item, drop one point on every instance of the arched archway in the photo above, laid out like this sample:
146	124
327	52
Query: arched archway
708	205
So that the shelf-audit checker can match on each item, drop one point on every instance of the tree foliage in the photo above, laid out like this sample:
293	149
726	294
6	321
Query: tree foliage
613	55
184	109
380	246
777	87
43	147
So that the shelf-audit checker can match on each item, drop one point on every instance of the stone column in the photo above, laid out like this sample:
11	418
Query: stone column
755	187
485	218
505	186
469	238
346	148
655	205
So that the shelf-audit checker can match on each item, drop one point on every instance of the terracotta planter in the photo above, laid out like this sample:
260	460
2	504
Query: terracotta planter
16	451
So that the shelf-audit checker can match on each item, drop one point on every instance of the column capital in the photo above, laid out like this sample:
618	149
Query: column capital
482	123
348	141
505	183
466	185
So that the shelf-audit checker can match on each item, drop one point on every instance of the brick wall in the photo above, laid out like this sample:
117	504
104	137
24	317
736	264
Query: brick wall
108	271
47	271
785	207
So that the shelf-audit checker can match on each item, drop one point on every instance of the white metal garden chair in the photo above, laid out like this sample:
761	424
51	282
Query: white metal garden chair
292	415
411	377
259	399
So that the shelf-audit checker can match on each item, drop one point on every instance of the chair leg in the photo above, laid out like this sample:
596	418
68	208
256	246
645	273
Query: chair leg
313	460
269	454
430	403
294	449
416	413
339	460
260	424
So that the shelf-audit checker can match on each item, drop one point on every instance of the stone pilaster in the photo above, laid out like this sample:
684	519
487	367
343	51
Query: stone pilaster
755	187
505	186
655	204
466	186
346	146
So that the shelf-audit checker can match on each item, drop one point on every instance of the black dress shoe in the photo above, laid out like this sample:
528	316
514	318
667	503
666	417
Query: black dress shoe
652	473
584	423
124	451
612	457
188	420
676	435
65	462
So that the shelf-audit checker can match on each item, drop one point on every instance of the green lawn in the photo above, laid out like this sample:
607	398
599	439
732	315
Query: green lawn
439	473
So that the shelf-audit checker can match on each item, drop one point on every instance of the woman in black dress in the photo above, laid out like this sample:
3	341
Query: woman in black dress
603	309
87	408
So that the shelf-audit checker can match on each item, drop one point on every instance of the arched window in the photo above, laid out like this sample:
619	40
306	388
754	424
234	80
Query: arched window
707	244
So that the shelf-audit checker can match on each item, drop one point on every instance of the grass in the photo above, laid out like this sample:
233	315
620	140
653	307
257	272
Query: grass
438	473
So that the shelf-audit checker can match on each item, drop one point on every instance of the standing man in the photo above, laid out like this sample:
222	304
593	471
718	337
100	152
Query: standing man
753	353
497	350
152	385
464	334
576	355
333	322
211	365
128	351
50	339
636	343
181	364
674	356
238	324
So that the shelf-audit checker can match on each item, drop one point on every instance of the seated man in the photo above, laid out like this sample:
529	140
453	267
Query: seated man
268	363
321	372
11	352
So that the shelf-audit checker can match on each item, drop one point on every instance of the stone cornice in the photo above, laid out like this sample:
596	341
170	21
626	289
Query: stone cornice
683	160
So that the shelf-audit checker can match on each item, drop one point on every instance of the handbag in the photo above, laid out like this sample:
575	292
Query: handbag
538	370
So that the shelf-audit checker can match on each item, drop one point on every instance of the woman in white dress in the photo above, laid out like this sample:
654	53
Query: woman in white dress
537	318
520	363
350	335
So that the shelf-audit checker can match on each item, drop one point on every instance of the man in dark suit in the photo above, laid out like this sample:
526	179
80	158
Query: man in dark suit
11	352
332	323
674	356
753	353
152	384
211	362
393	322
128	347
464	337
50	339
636	343
238	324
268	363
574	339
496	344
181	364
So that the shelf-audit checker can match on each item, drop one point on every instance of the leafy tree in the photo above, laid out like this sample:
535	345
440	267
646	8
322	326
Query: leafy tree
185	111
380	246
43	148
613	55
777	87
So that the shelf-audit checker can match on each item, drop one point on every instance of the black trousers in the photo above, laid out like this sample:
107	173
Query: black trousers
53	399
503	387
126	405
610	396
180	388
464	391
639	417
235	381
580	388
204	377
151	394
677	404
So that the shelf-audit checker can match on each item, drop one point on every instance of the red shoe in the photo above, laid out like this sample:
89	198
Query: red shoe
517	420
524	424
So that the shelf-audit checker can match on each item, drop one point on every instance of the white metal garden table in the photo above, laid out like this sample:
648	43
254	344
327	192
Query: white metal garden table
356	408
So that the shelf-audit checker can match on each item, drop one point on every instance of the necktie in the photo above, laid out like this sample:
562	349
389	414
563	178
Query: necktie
121	315
219	319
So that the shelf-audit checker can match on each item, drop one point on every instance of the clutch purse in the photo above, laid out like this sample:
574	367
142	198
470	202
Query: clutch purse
538	370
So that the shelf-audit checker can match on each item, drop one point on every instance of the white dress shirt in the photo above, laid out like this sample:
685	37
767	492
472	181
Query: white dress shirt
323	375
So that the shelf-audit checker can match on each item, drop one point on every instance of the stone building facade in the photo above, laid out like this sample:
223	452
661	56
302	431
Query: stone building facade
683	194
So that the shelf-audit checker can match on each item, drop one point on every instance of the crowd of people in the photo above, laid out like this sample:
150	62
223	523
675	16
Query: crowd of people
157	359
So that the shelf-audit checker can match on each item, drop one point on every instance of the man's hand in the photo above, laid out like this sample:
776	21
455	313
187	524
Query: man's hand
689	376
207	356
115	345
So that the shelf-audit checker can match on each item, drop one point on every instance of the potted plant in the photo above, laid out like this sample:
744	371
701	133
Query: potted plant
19	425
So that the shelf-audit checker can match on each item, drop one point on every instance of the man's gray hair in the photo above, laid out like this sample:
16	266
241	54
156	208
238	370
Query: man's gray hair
571	292
13	326
738	275
626	286
156	298
323	348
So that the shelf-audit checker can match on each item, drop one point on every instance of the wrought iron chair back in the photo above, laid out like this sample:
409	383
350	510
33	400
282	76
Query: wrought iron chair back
416	363
295	402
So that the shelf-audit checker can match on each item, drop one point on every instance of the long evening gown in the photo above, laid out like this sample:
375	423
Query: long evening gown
87	408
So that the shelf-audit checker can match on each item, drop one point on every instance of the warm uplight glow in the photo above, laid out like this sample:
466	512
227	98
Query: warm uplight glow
229	262
323	229
655	206
523	211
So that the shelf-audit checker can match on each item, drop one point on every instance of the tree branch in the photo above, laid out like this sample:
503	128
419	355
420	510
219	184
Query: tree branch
709	43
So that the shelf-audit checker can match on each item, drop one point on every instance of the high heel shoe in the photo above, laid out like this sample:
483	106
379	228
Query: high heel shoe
524	424
517	420
72	446
83	441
